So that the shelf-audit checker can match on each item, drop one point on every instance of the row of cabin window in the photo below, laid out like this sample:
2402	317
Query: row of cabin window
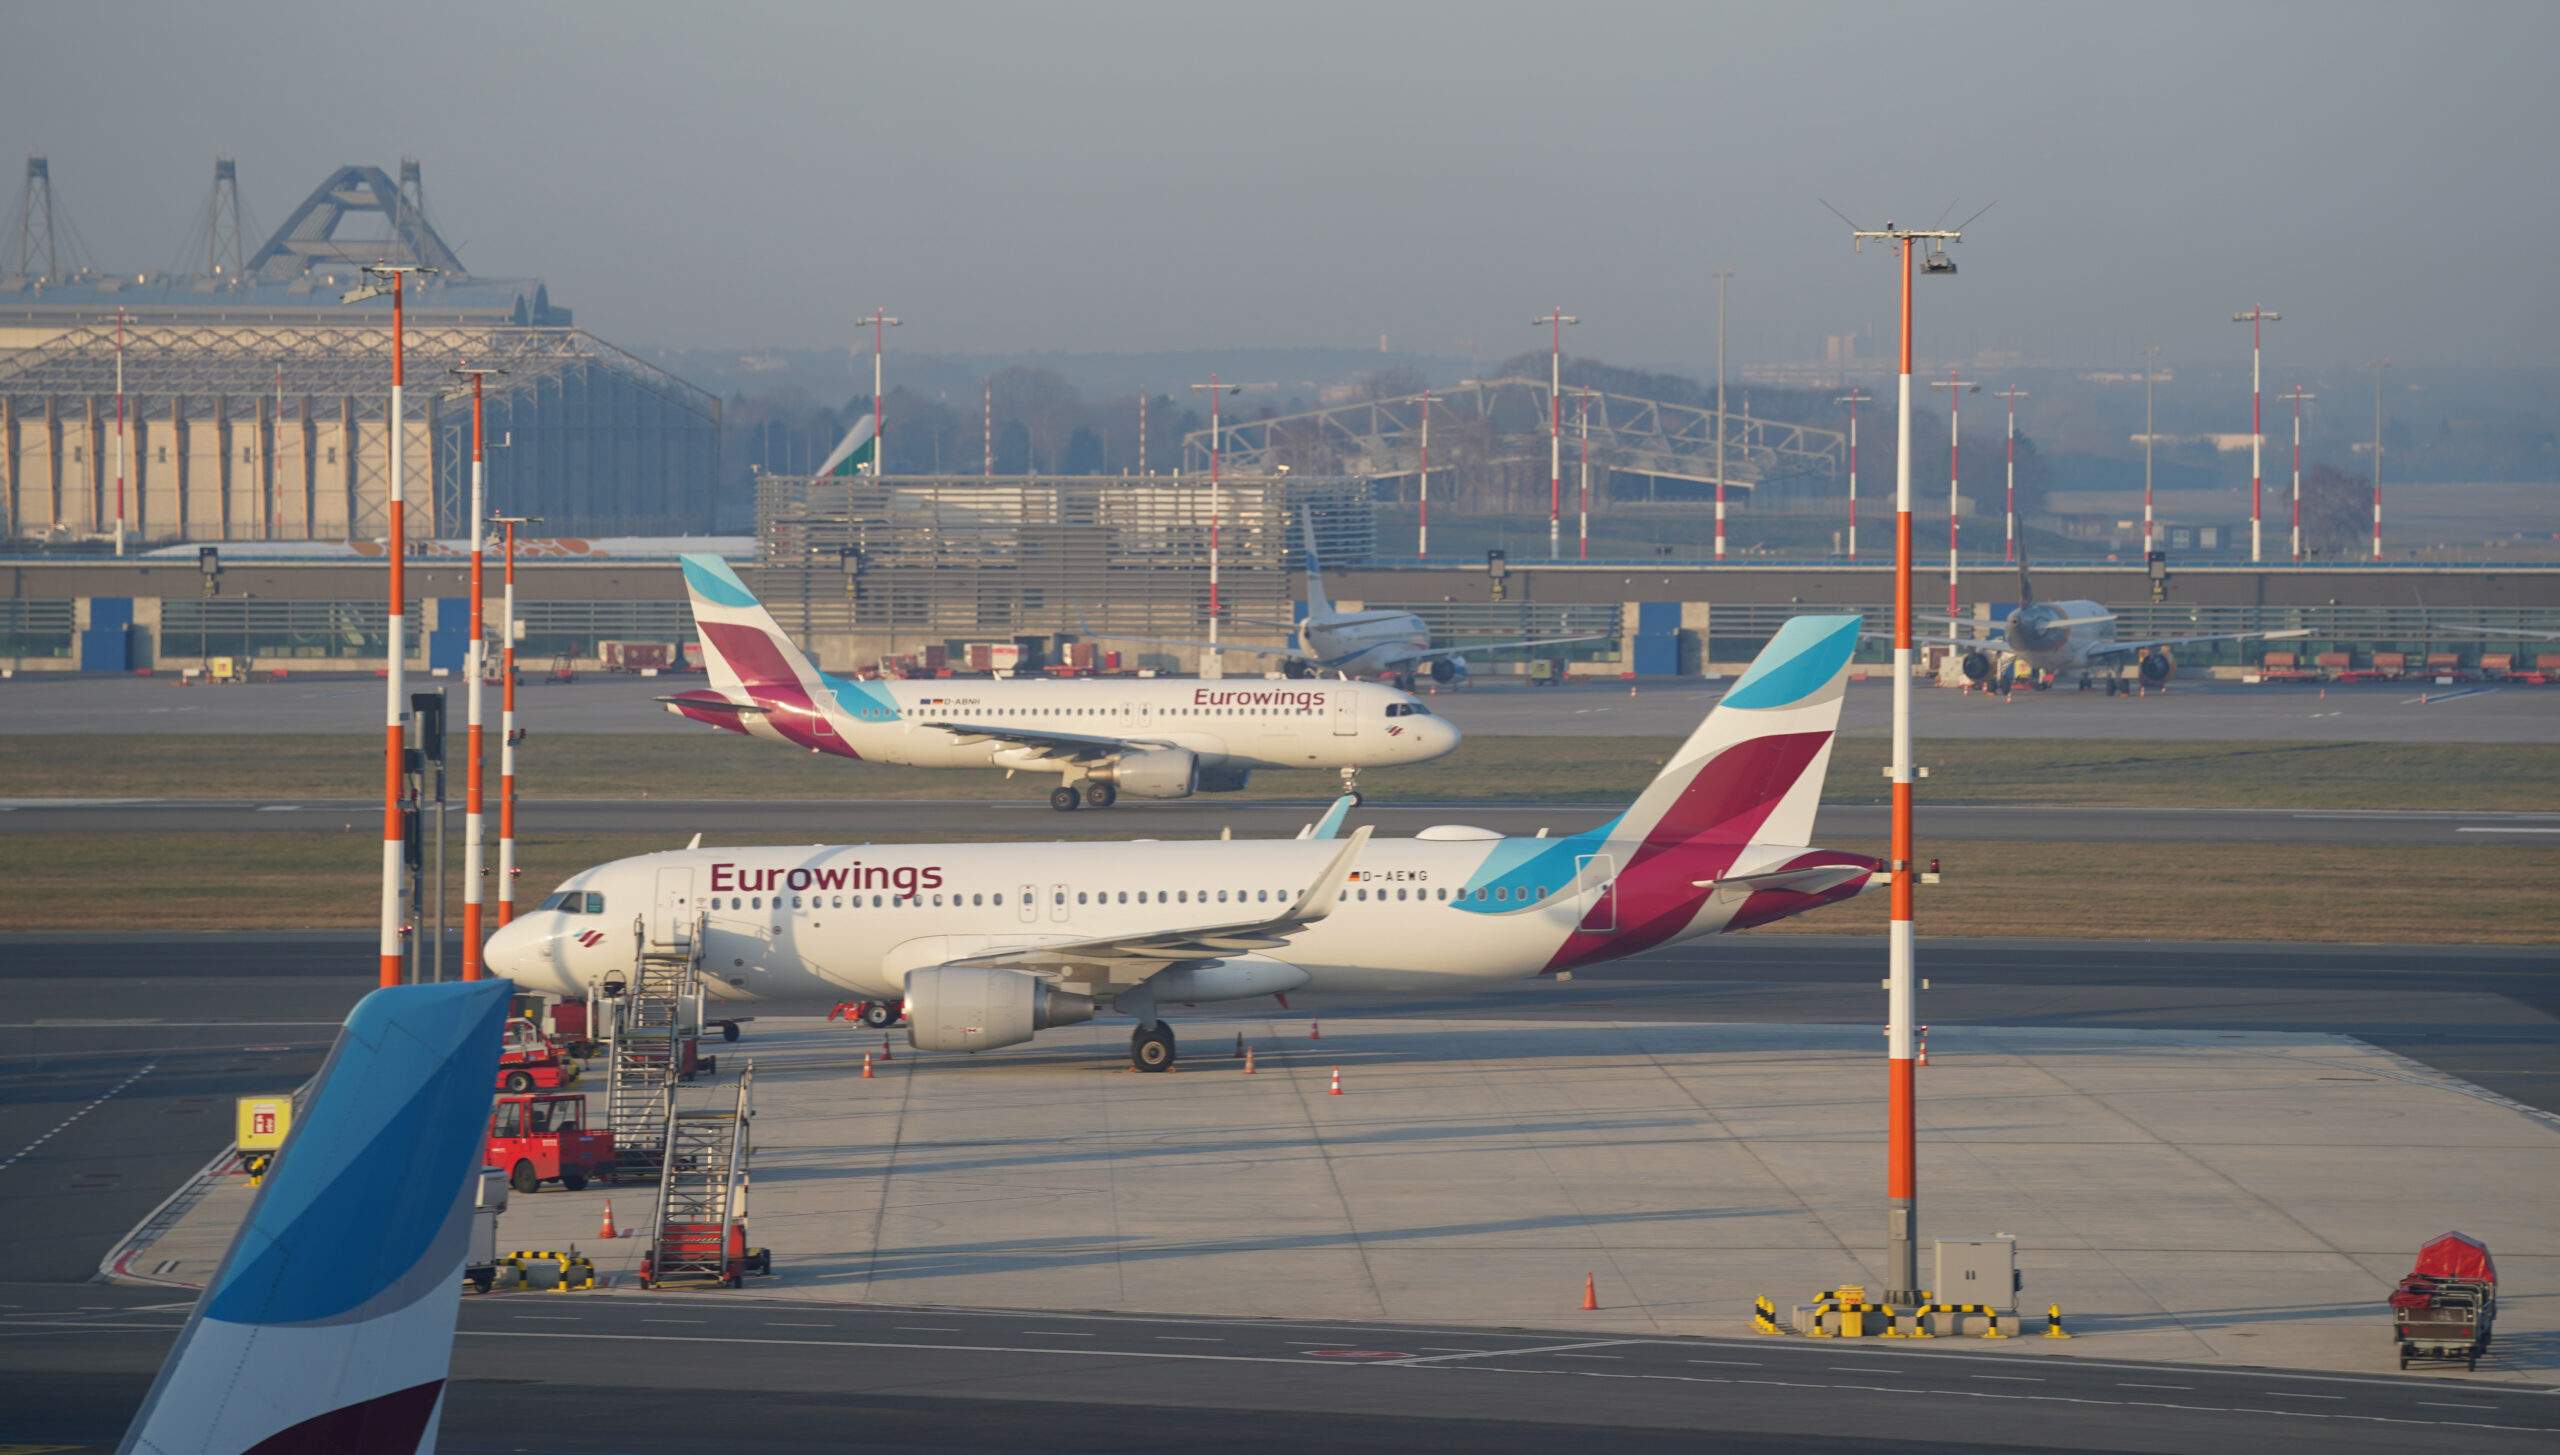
1500	892
1394	709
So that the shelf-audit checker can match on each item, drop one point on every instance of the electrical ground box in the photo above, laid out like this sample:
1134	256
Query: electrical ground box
1978	1270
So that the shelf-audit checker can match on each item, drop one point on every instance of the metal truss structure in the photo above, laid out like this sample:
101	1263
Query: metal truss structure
309	233
279	431
990	558
1504	421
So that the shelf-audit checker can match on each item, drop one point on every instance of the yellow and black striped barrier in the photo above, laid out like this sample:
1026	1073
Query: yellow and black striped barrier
1959	1310
577	1271
1764	1316
2053	1322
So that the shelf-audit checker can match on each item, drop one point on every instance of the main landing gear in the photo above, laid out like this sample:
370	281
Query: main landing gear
1067	799
1151	1047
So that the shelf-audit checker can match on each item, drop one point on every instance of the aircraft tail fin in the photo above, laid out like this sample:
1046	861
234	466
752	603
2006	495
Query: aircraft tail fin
1753	770
1316	604
744	651
329	1325
858	450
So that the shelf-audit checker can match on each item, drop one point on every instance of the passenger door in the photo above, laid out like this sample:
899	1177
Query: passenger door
1346	709
1595	883
671	916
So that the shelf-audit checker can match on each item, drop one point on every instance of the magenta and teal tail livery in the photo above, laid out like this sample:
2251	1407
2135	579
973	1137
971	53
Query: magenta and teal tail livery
330	1324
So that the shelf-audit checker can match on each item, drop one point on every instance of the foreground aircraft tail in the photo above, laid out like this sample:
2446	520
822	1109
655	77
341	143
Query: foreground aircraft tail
1753	771
330	1323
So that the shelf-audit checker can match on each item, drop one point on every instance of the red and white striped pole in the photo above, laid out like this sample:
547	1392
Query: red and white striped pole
1902	1152
2257	319
1217	444
507	730
396	679
2378	365
2297	396
1583	553
990	427
1956	386
475	661
1853	399
1555	319
1422	539
1902	1155
2013	394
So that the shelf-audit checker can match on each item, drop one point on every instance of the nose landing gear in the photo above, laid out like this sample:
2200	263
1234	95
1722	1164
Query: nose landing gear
1351	785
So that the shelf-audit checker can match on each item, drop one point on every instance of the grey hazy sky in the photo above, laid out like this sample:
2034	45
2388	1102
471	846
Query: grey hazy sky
1111	177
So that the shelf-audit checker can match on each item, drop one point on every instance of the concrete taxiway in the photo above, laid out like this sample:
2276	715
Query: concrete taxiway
2198	710
862	820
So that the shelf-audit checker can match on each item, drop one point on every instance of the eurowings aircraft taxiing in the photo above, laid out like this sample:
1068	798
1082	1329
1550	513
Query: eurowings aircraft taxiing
1392	644
1151	737
989	944
2048	640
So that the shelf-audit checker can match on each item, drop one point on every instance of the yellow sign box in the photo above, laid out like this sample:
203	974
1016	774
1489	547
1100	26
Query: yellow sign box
264	1120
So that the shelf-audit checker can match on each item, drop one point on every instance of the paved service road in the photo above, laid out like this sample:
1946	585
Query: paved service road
651	1373
893	819
2192	711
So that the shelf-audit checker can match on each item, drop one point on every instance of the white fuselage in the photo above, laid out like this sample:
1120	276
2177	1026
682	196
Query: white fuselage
1234	724
1365	643
822	925
2062	648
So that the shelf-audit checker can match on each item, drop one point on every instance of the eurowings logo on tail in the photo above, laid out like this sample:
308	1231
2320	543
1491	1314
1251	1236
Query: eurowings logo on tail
330	1323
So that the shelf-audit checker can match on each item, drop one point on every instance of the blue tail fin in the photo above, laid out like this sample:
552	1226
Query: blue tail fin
330	1323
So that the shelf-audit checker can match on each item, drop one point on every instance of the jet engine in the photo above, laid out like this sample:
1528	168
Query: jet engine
1223	780
1447	669
1978	667
1155	773
2158	666
978	1008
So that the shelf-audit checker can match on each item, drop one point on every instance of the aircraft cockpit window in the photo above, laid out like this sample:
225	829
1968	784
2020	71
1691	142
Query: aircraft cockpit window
571	901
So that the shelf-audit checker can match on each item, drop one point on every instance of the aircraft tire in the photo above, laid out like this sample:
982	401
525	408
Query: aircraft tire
1065	800
1101	795
879	1014
728	1030
1152	1050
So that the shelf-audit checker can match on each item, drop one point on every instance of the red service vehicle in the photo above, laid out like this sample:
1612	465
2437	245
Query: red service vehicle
2445	1310
532	1061
637	656
694	1245
541	1139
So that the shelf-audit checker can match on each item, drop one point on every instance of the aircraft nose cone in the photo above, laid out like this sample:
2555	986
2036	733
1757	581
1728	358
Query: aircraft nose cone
521	952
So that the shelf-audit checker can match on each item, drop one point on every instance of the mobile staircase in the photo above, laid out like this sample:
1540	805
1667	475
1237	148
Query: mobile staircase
701	1235
649	1043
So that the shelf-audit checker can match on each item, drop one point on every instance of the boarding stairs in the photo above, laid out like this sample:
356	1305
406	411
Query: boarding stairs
701	1232
657	1013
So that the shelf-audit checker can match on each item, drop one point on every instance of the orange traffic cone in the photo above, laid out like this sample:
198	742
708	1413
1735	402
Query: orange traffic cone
1248	1060
1337	1082
607	1230
1240	1043
866	1065
1590	1293
884	1050
1315	1032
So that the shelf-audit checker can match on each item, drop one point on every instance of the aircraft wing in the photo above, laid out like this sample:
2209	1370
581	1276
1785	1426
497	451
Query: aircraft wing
1154	950
1425	656
1285	652
1077	747
2104	651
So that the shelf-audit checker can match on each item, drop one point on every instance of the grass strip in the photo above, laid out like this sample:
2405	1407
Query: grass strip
2071	773
2485	894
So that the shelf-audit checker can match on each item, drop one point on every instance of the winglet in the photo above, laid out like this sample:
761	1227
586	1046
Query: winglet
1330	826
1317	902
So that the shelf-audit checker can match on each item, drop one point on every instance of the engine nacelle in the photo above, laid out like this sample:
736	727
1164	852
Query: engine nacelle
1154	773
2158	666
1978	666
978	1008
1447	669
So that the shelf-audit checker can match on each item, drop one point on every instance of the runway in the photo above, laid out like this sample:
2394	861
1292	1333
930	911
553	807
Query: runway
2192	711
648	1374
927	819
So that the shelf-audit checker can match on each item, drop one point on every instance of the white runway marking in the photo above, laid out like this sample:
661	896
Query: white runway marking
75	1116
